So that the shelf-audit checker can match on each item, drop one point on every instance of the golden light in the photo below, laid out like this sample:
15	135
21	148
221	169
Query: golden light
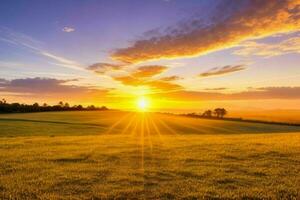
143	104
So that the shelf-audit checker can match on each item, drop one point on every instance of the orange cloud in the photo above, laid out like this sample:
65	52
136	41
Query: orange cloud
102	68
217	71
291	45
171	78
163	85
149	71
253	94
245	20
143	77
129	80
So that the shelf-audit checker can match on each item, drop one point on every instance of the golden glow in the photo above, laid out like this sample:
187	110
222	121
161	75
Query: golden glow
143	104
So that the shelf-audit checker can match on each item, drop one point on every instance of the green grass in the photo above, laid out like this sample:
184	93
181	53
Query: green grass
110	155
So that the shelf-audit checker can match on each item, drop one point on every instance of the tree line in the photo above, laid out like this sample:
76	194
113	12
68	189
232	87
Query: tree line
216	113
6	107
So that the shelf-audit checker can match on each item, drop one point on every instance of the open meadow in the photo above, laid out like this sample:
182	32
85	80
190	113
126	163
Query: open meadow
127	155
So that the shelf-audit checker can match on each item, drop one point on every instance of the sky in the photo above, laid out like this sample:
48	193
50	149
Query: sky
181	55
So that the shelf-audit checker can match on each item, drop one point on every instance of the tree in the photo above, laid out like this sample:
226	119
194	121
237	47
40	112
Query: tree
220	112
61	104
3	101
67	105
207	113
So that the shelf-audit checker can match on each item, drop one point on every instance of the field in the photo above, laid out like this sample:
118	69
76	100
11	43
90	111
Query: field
123	155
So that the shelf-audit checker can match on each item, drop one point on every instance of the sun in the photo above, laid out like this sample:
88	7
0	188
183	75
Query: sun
143	104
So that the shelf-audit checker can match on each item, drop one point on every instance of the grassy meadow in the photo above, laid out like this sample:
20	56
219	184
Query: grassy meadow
124	155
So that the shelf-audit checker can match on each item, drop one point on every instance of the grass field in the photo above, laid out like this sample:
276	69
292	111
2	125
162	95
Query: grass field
120	155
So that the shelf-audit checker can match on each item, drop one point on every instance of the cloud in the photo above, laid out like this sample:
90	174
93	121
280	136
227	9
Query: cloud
217	71
249	48
44	86
149	71
130	80
63	61
253	94
102	68
216	89
163	85
232	22
141	76
145	76
171	78
24	41
68	29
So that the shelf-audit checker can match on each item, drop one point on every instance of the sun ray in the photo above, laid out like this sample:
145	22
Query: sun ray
149	136
117	123
132	120
166	126
160	136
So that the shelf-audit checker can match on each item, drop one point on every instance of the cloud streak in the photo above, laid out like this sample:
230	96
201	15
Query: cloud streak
23	41
145	76
68	29
240	21
103	68
252	48
43	86
218	71
149	71
254	94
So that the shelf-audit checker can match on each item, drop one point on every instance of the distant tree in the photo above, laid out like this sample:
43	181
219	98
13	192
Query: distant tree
223	112
220	112
3	101
16	107
207	113
103	108
91	107
61	104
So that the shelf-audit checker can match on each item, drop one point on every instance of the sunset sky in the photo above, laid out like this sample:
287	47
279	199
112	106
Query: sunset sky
181	54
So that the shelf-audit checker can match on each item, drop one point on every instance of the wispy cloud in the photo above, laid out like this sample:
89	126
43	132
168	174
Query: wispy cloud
216	89
23	41
232	23
252	94
217	71
61	61
43	86
249	48
146	76
103	68
68	29
171	78
149	71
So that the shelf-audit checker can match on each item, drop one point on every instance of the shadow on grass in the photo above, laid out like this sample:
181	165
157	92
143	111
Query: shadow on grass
51	122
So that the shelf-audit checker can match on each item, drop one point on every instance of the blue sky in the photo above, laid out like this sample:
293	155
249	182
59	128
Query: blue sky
62	39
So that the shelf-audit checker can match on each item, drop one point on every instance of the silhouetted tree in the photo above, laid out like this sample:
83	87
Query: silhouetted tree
61	104
207	113
220	112
16	107
67	105
3	101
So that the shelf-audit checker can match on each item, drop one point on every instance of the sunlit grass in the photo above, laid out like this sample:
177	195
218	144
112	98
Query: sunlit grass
90	155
